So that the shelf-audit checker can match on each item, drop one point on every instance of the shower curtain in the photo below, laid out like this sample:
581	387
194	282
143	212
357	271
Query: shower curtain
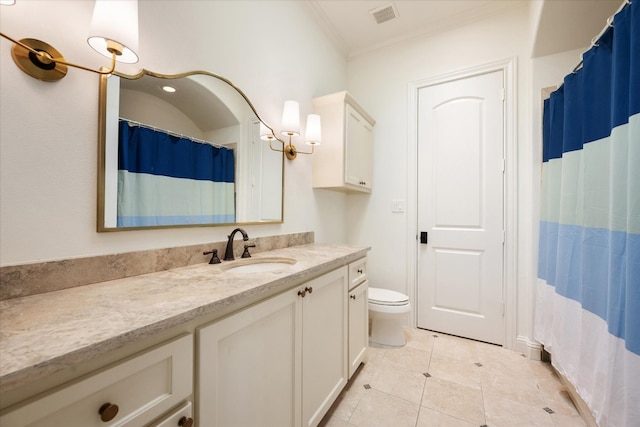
164	179
588	290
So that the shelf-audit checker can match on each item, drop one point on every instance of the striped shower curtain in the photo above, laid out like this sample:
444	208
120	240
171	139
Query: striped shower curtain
167	180
588	290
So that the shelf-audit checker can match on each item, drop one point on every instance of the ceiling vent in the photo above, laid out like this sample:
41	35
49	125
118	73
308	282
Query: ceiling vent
384	13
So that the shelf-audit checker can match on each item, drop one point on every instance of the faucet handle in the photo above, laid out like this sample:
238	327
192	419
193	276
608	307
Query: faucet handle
214	256
246	253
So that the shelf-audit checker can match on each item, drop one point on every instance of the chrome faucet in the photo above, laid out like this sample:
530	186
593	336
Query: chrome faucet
228	253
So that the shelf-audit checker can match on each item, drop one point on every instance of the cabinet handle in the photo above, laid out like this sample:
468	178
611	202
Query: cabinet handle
185	422
302	293
360	271
353	297
309	289
108	411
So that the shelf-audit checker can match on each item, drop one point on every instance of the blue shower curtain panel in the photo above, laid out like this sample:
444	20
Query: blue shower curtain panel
167	180
588	291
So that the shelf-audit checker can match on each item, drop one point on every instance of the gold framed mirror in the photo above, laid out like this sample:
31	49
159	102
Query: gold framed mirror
145	178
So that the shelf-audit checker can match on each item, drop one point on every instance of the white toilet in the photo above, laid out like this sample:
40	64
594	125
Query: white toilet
387	310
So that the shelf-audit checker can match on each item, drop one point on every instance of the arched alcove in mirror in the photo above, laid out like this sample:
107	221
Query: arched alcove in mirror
183	150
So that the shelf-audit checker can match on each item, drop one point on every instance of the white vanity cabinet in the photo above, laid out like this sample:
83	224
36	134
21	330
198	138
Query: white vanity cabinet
281	362
358	314
343	162
130	393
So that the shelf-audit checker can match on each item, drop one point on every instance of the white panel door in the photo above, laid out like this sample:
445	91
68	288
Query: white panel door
460	207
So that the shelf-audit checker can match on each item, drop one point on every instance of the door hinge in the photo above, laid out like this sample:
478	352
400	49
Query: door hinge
504	165
502	308
504	236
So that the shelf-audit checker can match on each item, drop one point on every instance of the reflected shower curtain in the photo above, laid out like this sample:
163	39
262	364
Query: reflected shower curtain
588	290
167	180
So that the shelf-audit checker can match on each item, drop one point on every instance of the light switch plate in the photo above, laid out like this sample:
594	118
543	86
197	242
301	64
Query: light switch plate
397	206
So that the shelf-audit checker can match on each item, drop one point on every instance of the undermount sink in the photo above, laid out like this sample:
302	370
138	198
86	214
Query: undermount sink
259	265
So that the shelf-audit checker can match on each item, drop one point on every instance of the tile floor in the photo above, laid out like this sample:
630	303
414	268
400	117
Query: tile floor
441	380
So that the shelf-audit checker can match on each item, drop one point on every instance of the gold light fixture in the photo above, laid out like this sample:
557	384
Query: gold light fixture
114	34
291	128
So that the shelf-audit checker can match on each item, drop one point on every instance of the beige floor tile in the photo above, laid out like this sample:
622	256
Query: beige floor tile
398	382
454	399
419	338
568	420
560	402
409	358
345	404
506	390
455	347
503	412
430	418
333	422
520	386
460	371
378	409
376	352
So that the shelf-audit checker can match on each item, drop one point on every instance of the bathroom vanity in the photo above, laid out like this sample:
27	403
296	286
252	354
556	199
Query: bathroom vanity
206	345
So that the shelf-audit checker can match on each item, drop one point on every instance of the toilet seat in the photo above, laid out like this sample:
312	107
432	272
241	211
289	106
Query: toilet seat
387	297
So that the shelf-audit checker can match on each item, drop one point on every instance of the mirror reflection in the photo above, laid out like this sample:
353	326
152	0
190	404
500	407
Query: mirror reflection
183	150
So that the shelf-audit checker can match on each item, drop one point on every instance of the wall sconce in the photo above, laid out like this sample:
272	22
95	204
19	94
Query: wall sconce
291	128
114	34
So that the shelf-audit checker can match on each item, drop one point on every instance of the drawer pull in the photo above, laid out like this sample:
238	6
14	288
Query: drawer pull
185	422
353	297
108	411
360	271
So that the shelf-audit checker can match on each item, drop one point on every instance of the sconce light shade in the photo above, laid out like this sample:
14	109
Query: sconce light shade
313	133
114	27
265	133
291	119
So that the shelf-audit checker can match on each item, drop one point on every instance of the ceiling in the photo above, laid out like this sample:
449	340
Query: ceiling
353	29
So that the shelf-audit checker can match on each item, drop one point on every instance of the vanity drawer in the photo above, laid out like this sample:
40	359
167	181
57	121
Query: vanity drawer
182	416
130	393
357	272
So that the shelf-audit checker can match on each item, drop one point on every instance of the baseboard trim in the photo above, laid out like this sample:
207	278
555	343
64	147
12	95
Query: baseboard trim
531	349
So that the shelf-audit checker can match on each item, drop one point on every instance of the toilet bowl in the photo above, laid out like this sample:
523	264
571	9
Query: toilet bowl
387	310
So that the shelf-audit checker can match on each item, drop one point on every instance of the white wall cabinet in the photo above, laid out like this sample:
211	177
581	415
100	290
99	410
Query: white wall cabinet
343	162
130	393
358	314
281	362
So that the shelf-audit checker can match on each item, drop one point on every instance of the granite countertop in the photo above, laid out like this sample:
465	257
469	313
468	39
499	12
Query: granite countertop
45	333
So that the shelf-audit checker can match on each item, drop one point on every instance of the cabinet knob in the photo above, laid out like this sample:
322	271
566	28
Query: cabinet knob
353	297
108	411
185	422
360	271
309	289
302	293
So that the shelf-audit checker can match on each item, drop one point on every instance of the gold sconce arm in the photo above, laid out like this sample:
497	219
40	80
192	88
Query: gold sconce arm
288	149
43	62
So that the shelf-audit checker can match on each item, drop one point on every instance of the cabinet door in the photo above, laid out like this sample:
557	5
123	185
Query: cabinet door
324	344
358	148
249	366
358	326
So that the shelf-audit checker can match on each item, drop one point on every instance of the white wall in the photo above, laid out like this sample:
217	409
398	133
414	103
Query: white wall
273	50
380	82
